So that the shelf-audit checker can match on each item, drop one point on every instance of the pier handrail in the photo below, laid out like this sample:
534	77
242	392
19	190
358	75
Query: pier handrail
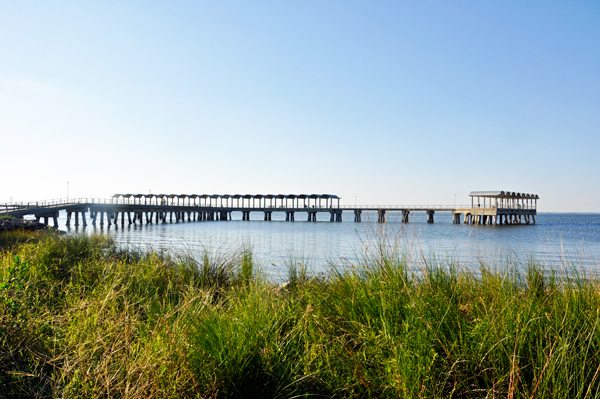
52	203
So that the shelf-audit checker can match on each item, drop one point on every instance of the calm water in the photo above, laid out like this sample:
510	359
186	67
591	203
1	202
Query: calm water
318	244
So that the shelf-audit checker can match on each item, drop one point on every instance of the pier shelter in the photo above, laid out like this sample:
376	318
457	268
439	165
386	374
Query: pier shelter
498	207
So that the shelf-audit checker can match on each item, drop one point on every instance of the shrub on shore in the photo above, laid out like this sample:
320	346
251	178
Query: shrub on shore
81	318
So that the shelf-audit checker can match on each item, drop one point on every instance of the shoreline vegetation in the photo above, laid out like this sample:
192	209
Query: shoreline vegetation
81	318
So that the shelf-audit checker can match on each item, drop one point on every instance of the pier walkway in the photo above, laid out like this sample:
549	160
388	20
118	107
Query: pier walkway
499	207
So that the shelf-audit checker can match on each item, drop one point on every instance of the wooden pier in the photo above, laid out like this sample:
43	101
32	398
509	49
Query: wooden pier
487	208
498	207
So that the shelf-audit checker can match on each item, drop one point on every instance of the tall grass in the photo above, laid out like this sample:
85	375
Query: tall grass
81	318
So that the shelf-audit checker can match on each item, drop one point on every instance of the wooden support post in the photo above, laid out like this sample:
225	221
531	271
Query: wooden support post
84	222
76	218
55	222
430	216
405	215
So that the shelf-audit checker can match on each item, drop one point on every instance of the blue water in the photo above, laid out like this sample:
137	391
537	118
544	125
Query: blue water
556	238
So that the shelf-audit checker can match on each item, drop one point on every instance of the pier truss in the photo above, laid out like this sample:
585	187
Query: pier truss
499	207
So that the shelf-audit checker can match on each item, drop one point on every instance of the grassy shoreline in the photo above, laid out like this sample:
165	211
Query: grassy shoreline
81	318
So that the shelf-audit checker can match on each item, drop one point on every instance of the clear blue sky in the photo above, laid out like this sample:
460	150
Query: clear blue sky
391	102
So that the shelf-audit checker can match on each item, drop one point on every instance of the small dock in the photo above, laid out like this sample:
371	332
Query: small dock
487	208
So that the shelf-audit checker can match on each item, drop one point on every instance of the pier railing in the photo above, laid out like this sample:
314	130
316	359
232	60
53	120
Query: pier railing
53	203
60	202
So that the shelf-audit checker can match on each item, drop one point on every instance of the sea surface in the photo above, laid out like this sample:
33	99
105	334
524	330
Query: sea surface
557	240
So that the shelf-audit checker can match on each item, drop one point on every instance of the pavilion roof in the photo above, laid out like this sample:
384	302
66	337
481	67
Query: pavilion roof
502	194
235	196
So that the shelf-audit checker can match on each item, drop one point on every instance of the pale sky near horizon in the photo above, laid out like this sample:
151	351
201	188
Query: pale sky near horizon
386	101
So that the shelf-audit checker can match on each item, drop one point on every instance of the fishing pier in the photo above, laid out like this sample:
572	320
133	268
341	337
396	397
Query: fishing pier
487	208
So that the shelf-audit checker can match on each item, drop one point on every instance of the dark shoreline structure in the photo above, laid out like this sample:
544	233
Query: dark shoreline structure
80	318
508	208
11	224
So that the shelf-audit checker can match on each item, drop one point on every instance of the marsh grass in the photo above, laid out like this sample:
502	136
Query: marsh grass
81	318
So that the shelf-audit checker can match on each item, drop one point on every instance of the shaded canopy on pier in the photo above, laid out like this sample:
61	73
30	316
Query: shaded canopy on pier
226	197
502	194
504	199
235	196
